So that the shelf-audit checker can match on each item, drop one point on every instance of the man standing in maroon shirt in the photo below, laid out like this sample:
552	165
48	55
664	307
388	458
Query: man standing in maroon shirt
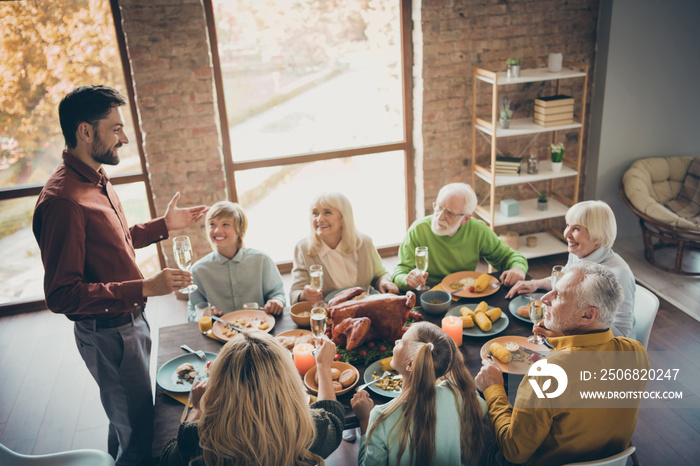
91	274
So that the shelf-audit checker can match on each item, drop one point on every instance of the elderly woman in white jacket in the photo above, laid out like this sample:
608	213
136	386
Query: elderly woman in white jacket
590	233
348	257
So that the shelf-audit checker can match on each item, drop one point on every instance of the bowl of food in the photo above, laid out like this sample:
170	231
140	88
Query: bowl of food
344	375
435	301
301	314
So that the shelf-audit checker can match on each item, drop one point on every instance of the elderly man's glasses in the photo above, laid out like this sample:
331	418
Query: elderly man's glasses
438	209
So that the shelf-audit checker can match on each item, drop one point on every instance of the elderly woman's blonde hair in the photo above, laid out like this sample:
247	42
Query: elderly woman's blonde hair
255	409
349	239
227	209
598	218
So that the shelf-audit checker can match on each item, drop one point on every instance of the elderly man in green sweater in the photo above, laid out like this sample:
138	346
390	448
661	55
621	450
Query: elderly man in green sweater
456	241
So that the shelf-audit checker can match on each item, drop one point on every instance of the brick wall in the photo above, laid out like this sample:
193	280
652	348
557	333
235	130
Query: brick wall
173	79
454	36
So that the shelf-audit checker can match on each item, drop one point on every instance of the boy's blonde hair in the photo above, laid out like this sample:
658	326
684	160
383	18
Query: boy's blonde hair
227	209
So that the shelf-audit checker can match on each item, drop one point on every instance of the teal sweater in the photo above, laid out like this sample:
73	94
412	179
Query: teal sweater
457	253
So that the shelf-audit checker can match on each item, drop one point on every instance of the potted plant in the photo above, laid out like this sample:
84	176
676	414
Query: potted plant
557	151
513	65
505	112
542	202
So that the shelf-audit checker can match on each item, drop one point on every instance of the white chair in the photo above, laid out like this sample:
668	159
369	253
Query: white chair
616	460
65	458
646	305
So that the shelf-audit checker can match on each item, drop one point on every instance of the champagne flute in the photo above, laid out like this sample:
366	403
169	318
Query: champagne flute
318	319
182	249
536	315
316	272
557	273
422	263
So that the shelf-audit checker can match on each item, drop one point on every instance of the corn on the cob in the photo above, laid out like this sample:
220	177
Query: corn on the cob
467	321
385	364
494	314
465	311
499	351
482	321
482	307
482	282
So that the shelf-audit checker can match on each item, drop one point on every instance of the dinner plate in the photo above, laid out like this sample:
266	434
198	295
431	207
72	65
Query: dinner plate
332	294
496	327
341	366
514	367
218	328
368	377
295	333
521	300
167	377
457	276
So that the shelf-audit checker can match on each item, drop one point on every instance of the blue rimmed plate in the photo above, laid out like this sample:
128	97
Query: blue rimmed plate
522	300
167	377
496	327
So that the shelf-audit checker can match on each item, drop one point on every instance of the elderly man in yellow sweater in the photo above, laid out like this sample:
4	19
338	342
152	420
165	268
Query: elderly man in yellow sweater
546	426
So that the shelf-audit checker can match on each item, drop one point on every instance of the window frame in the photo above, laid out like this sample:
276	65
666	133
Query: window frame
29	190
406	145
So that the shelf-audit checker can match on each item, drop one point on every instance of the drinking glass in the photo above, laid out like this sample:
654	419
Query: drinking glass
318	319
422	263
557	273
251	306
182	249
536	315
316	272
203	315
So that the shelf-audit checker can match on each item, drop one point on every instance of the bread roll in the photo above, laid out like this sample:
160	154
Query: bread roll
347	378
524	311
337	386
335	373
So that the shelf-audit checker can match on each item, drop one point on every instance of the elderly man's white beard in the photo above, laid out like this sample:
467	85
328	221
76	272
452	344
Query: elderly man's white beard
442	228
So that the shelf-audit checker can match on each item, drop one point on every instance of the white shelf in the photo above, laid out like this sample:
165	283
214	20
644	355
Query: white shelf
547	245
528	213
523	126
531	75
545	173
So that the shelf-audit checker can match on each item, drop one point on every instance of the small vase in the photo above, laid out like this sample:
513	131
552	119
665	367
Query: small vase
556	167
505	124
542	205
513	71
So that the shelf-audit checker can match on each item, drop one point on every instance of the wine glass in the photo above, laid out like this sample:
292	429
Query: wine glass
422	263
318	319
182	250
316	272
536	315
557	273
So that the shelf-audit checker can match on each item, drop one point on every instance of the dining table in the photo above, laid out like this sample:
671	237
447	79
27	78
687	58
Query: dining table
168	410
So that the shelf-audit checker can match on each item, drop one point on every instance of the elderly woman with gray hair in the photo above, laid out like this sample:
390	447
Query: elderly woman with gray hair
590	233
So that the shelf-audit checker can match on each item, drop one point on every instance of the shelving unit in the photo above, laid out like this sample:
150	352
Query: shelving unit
548	242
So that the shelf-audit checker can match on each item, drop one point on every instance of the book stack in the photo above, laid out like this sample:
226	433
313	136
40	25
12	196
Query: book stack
554	110
507	165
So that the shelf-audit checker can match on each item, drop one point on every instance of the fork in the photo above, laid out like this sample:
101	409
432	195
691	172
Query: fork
199	353
385	375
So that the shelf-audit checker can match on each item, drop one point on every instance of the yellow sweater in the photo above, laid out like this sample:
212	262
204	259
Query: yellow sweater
551	431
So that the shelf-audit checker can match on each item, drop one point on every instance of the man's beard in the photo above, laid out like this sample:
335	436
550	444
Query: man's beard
101	154
443	230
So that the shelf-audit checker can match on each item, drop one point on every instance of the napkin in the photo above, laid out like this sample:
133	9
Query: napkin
181	397
439	287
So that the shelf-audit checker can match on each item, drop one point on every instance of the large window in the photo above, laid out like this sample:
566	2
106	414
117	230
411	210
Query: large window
314	102
48	48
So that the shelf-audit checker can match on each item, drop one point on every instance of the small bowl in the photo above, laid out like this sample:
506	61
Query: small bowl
312	386
431	295
297	309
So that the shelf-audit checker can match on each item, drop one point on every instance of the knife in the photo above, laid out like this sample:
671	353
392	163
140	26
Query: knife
228	324
529	351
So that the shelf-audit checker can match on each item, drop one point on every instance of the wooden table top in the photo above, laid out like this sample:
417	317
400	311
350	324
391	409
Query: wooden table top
168	410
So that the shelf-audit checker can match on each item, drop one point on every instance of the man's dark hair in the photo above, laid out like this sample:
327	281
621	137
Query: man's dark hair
86	104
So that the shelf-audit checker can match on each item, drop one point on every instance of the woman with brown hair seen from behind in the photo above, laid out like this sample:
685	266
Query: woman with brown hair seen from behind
253	410
437	390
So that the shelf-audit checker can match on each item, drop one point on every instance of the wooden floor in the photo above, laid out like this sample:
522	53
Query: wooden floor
50	403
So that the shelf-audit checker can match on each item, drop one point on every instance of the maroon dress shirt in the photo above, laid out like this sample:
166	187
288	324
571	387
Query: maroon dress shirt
86	246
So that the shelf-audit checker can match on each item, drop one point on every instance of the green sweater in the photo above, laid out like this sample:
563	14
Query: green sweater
457	253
